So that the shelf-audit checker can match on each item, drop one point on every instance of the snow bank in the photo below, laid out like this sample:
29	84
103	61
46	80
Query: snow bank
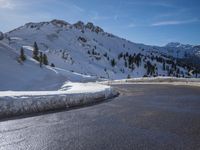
163	79
158	80
70	95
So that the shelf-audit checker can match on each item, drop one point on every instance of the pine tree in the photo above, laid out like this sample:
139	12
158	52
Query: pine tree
125	64
40	59
93	52
128	77
164	68
35	51
138	60
113	63
52	65
22	55
120	55
45	59
129	60
150	68
63	55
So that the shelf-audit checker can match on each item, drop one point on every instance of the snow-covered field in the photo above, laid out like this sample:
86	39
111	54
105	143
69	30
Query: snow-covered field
70	95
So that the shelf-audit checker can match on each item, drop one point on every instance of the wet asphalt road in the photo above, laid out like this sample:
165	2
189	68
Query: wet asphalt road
142	117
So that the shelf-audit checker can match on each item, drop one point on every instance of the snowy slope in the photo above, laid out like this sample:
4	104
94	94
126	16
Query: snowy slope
88	50
24	76
16	75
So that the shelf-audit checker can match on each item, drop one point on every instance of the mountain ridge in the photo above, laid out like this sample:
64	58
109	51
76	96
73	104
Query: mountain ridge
80	24
88	49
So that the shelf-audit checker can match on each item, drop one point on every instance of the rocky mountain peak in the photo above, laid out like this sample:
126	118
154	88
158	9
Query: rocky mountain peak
60	23
79	25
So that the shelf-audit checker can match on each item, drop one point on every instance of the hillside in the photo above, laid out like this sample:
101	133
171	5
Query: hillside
87	49
28	75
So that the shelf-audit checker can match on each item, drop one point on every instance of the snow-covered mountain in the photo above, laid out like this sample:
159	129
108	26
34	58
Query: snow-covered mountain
86	49
182	50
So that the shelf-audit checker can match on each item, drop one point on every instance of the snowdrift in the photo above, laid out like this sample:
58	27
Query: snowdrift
14	103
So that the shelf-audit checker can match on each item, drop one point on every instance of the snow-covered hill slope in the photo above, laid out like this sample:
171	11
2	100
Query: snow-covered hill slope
27	75
87	49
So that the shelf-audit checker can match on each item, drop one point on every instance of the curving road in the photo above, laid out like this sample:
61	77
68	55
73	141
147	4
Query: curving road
142	117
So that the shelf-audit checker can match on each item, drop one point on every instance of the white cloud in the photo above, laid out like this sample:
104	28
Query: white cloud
116	17
6	4
77	8
131	25
151	3
96	16
174	22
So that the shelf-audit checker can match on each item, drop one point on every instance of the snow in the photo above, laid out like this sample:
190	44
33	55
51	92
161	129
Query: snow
28	75
27	88
15	38
67	88
70	95
28	47
157	80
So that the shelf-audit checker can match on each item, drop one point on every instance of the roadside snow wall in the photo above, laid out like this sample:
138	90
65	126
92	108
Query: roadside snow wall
27	104
157	80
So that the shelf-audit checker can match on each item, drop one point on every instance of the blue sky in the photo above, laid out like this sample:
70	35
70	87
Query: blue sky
154	22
